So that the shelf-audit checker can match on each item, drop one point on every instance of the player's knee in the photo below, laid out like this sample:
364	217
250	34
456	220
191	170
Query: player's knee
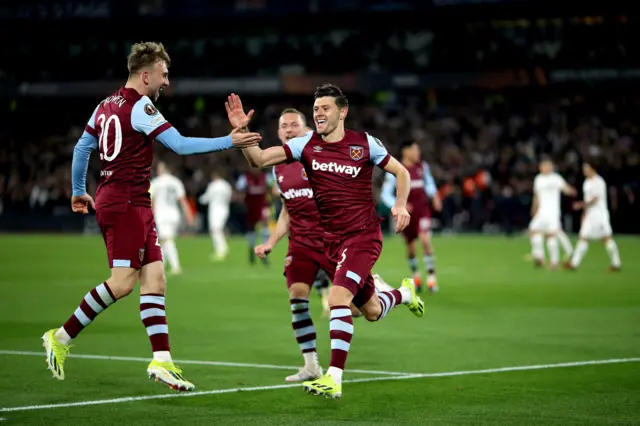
299	291
373	312
340	296
152	278
355	311
122	281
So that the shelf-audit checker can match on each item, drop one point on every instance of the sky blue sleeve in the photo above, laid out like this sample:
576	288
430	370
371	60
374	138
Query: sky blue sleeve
145	118
388	193
241	184
274	177
296	145
429	183
80	162
269	178
377	151
91	124
182	145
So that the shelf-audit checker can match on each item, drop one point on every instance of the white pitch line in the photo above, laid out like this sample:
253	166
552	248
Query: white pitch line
197	362
370	379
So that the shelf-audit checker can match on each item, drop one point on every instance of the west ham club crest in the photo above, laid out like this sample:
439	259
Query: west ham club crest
304	174
356	152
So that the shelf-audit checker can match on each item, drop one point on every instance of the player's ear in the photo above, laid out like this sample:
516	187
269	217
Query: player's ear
343	113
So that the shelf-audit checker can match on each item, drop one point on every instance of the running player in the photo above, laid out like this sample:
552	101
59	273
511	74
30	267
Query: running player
339	165
423	189
305	257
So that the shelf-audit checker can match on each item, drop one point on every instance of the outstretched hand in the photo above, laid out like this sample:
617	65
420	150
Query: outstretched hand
244	139
236	114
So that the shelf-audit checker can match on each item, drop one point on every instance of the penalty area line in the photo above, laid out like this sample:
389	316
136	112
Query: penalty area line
285	386
198	362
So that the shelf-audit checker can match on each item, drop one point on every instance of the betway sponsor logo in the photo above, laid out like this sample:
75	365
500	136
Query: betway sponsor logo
298	193
417	183
336	168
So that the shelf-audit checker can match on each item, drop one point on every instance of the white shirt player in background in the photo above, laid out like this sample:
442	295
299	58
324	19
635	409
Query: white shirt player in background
166	193
595	220
218	197
547	189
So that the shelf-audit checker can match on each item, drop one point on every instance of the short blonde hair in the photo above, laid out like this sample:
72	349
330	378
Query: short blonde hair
145	54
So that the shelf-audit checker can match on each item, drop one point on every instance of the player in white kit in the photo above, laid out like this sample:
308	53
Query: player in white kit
166	192
218	197
595	220
547	188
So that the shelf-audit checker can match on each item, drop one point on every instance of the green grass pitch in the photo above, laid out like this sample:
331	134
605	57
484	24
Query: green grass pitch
494	311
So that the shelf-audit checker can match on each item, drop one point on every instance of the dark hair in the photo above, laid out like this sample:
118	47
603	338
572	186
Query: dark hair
590	161
294	111
407	144
334	91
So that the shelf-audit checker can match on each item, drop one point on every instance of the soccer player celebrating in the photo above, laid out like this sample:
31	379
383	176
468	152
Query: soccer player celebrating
423	188
123	128
547	187
166	192
305	258
595	222
339	165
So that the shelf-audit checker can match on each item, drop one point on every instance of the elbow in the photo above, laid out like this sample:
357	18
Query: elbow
261	164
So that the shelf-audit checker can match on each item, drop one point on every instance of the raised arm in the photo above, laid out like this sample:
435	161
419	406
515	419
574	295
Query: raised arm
145	118
265	157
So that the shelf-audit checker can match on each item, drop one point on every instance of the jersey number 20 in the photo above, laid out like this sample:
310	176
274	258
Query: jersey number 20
105	123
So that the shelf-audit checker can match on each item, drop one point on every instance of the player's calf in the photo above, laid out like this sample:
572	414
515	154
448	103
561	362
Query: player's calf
152	309
305	334
537	248
554	250
578	254
119	285
154	319
57	341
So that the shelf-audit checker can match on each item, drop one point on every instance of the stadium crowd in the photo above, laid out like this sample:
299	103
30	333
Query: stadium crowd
483	149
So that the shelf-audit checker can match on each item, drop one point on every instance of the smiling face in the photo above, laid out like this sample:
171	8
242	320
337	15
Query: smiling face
327	115
148	65
156	78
